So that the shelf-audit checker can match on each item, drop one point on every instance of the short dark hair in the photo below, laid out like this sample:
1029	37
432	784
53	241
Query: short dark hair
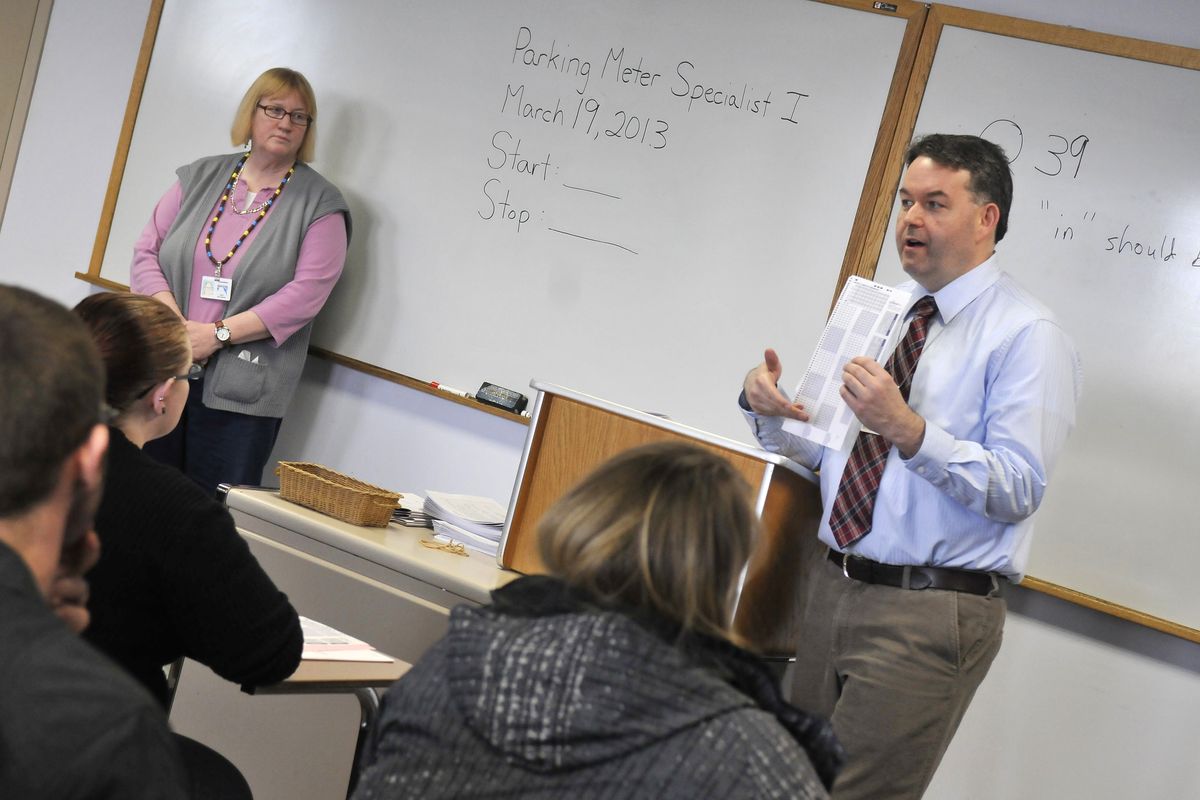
991	177
141	341
51	392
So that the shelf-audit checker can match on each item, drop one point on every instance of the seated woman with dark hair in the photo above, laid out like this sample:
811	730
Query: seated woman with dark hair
174	578
615	675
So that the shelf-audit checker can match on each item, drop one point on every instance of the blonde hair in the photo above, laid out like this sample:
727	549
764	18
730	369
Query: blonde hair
665	528
141	341
275	81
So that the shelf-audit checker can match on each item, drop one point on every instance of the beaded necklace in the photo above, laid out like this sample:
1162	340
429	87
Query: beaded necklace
253	224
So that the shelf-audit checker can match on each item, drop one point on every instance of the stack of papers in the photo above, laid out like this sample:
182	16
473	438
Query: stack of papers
866	321
474	522
323	643
410	511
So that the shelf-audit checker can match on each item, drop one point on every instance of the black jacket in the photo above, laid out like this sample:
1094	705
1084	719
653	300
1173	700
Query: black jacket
72	725
176	579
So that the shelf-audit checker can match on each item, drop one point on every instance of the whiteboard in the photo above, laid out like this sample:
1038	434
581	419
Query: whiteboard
1105	228
630	199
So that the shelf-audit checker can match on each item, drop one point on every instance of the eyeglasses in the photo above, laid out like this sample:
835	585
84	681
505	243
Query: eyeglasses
195	372
278	112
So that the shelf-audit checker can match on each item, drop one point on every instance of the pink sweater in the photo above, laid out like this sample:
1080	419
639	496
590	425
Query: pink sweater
322	256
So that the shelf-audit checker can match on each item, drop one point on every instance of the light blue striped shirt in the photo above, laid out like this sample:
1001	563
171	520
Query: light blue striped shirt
997	385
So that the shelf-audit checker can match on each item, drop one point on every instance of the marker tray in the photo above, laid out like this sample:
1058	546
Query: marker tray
337	495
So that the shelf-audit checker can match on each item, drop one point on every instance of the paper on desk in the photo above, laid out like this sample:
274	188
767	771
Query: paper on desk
323	643
481	517
348	655
411	501
410	511
866	321
444	531
465	507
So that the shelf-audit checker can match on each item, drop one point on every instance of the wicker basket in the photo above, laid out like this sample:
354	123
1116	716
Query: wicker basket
335	494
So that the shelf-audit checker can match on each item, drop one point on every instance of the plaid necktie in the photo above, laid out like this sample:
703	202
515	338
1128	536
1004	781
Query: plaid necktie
854	505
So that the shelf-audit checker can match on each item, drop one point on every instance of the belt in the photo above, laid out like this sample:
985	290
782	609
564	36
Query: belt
905	577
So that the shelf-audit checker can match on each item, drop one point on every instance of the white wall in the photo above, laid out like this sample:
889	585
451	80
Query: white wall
1079	704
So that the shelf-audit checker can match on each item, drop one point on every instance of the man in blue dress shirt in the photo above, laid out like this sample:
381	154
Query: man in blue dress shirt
903	619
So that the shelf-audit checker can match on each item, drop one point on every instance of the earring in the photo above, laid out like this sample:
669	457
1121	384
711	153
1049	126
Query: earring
162	397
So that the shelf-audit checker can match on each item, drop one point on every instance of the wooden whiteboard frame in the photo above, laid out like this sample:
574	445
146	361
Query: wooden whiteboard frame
877	222
913	12
25	70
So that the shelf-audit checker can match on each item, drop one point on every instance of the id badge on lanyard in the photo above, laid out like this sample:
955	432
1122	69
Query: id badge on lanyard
214	288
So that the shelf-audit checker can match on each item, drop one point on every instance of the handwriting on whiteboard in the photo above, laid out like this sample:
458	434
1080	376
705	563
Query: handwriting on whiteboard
1117	239
1061	156
551	95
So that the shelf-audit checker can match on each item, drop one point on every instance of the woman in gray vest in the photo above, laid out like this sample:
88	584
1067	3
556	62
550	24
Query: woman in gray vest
246	248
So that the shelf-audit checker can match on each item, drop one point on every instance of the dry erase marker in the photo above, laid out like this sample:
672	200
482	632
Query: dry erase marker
441	387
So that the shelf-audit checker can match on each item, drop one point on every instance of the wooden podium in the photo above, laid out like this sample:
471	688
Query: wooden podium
571	434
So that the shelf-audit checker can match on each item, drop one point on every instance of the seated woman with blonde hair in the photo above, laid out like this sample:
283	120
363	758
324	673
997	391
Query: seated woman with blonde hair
614	675
174	578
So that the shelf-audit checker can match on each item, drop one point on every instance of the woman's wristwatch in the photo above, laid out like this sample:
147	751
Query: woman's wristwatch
224	335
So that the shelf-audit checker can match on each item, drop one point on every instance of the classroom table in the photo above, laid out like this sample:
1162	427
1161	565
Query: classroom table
392	555
380	585
361	678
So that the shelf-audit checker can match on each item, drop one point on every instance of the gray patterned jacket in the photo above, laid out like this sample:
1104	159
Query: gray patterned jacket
587	704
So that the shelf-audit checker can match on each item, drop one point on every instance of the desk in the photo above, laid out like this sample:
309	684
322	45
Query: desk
380	585
362	678
376	584
320	677
395	548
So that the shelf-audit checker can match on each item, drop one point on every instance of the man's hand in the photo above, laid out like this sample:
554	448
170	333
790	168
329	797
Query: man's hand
876	400
68	594
762	392
68	599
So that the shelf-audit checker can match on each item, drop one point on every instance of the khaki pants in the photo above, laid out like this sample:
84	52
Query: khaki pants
894	669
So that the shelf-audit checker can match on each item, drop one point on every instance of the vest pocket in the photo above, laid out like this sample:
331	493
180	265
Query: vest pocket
239	379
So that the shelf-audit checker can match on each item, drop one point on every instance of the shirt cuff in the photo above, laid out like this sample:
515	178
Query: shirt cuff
766	429
933	457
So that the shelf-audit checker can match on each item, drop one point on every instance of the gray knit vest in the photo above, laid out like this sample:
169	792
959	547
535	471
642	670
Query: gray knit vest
231	382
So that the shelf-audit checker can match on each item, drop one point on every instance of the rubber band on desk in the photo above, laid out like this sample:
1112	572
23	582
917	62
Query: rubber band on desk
449	547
